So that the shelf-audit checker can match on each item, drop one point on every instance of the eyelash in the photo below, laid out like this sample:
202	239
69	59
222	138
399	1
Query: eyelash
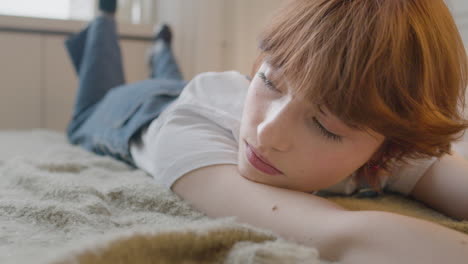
325	132
315	122
267	82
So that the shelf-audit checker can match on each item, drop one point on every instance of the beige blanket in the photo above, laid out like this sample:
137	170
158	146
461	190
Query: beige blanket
62	204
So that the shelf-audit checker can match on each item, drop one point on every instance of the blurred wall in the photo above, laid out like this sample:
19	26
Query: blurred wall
459	9
214	35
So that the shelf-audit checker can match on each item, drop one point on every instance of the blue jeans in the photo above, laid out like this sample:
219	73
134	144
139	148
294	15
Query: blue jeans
108	113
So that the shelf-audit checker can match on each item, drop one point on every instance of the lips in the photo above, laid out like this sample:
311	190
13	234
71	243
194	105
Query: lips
259	162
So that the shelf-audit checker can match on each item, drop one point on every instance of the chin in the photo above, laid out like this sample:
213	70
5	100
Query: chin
244	172
249	176
252	179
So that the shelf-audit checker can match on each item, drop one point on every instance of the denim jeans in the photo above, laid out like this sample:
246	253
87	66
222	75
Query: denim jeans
108	113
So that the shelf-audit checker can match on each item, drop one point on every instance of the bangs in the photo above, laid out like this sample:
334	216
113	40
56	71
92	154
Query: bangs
375	65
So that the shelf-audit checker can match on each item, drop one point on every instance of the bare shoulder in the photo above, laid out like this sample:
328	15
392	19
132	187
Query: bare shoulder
444	186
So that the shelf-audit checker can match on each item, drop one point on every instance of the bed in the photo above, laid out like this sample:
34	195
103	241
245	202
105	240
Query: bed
62	204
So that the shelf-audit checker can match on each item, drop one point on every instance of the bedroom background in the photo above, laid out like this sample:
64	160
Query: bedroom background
39	84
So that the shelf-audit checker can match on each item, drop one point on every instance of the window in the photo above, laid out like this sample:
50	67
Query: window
44	8
130	11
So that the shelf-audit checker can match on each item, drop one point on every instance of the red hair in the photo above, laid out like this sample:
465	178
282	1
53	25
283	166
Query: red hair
396	67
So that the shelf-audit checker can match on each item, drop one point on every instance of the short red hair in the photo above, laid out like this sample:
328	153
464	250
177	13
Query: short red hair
396	67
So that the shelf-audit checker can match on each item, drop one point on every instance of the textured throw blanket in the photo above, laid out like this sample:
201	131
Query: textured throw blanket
62	204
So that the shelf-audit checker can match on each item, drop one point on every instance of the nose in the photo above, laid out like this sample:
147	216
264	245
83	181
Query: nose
276	131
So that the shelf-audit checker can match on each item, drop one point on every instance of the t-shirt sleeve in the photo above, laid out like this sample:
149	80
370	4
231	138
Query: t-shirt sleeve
401	179
404	178
187	142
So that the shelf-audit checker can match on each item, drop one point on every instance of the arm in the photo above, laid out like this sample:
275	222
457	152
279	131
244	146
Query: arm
220	191
380	237
444	186
350	237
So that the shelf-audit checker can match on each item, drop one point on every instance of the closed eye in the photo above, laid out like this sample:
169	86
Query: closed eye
315	122
325	132
267	82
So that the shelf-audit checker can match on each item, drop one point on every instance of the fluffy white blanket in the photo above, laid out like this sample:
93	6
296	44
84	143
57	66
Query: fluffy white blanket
57	200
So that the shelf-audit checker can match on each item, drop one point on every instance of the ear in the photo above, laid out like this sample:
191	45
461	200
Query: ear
383	152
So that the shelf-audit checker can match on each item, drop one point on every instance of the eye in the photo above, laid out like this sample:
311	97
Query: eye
325	132
267	82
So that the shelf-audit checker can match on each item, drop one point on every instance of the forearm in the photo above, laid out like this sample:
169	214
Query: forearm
379	237
362	236
339	235
444	186
344	236
297	216
219	191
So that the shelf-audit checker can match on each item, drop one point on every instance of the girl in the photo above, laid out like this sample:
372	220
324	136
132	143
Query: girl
345	95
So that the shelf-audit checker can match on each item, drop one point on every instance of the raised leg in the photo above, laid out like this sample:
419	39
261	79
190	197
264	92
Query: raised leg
96	56
161	60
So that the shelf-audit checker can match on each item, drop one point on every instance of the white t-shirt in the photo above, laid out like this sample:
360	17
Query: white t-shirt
201	128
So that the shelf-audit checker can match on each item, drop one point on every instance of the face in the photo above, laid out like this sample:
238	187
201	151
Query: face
289	143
